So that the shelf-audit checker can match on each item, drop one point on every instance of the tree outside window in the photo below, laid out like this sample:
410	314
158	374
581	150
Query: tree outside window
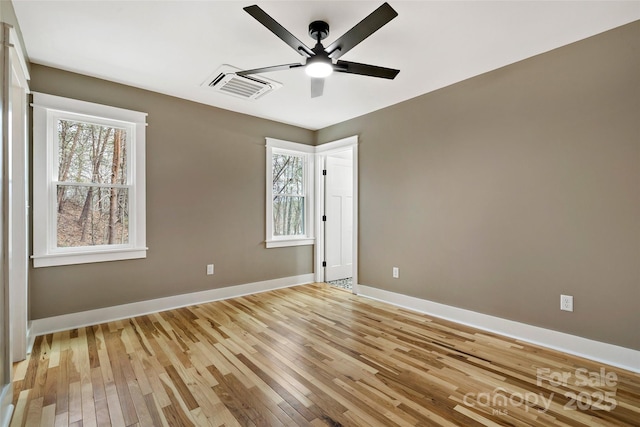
288	195
92	192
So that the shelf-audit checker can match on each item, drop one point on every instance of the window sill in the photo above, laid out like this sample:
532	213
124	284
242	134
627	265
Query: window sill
290	242
69	258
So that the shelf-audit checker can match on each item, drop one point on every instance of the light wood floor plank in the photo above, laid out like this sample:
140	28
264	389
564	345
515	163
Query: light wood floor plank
310	355
113	404
20	409
62	420
48	416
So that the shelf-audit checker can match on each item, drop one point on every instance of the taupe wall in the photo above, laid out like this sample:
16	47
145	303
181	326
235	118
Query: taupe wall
205	204
499	193
496	195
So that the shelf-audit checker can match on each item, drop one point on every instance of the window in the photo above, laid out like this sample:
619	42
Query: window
289	194
89	182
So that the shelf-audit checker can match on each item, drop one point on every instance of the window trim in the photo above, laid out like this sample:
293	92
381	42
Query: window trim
278	146
46	110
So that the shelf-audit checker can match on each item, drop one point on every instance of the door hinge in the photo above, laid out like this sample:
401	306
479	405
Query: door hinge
324	217
324	172
324	263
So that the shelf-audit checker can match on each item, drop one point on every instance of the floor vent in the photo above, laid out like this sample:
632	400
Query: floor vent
225	80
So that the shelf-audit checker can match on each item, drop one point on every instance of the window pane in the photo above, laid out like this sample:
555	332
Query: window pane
288	174
288	216
91	153
89	216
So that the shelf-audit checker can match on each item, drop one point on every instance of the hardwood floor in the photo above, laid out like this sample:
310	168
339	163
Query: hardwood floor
309	355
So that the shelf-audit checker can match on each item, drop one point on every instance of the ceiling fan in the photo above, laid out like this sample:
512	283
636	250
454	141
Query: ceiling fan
322	61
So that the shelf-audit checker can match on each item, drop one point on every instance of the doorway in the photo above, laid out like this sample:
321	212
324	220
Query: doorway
336	249
13	204
338	227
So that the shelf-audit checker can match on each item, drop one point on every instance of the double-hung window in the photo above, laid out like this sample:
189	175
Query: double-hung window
89	182
289	194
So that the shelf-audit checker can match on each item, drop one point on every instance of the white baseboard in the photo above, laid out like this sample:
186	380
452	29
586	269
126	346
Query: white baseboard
609	354
101	315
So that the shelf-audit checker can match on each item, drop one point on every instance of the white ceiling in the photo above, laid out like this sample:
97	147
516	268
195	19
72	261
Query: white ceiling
172	47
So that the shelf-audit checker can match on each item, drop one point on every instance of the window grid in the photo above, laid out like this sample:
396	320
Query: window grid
73	216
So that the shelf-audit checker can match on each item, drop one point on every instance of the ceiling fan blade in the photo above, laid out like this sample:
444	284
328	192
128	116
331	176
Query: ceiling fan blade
317	87
365	70
277	29
361	31
268	69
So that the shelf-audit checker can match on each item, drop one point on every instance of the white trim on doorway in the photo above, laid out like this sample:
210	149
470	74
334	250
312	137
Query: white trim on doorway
322	151
14	225
19	203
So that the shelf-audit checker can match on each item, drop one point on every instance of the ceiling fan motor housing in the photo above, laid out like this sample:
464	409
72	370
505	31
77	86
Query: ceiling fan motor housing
318	30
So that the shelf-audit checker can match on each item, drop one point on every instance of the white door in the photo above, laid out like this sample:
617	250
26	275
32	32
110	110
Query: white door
339	213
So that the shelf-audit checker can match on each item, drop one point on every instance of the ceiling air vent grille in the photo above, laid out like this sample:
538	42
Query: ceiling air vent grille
245	87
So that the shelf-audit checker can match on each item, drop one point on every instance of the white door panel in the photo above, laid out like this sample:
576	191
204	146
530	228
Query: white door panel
339	224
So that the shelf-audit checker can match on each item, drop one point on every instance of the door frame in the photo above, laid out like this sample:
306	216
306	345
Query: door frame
14	139
19	199
322	151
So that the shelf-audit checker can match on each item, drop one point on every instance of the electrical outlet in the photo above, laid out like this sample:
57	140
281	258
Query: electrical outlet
209	269
566	302
396	272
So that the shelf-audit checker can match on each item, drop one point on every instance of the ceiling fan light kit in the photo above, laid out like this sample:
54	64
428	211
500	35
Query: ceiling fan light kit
318	67
321	62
